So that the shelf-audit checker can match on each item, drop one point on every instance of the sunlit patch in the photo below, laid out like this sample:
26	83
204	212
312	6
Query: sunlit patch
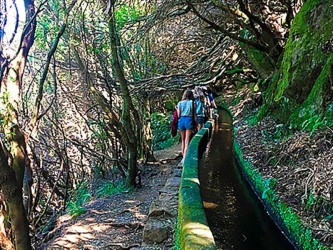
196	180
209	205
131	201
99	227
90	220
78	229
198	233
11	37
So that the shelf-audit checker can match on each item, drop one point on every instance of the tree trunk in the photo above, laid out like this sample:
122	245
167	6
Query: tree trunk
11	177
132	166
128	112
12	191
303	87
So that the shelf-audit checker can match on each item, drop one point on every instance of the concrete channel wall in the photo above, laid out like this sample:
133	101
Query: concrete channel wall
194	229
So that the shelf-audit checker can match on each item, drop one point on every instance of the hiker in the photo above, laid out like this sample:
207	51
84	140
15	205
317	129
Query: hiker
210	100
210	97
187	119
200	106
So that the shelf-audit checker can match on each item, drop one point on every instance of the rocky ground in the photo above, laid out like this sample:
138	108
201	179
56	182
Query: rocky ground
301	163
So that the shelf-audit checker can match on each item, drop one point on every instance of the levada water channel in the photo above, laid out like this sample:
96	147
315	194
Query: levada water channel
235	215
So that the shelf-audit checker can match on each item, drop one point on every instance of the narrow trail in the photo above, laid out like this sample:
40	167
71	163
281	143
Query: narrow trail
118	221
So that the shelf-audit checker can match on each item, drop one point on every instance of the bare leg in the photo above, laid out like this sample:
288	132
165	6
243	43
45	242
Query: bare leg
183	137
187	139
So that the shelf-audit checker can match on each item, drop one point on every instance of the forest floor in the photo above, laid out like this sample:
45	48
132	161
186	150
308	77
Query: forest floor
116	222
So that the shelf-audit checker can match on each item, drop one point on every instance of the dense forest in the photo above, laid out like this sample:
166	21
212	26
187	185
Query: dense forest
87	89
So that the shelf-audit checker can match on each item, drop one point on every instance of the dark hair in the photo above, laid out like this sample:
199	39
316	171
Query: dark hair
188	94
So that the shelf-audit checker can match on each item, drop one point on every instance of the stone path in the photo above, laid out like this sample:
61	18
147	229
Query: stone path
159	229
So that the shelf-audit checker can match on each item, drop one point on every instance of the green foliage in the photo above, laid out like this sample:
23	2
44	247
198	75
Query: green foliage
252	120
98	132
279	132
254	87
48	25
75	209
126	14
259	59
109	188
268	193
313	123
311	201
268	95
161	126
79	197
171	102
236	100
177	232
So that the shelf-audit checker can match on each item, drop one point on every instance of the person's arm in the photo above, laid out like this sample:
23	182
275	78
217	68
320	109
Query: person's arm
195	113
178	112
213	104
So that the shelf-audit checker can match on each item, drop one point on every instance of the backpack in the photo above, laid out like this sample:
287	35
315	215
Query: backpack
174	124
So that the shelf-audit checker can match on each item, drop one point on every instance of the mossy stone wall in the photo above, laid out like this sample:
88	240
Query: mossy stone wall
194	229
305	81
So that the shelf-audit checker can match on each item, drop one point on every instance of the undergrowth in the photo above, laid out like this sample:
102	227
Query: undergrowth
79	197
317	122
161	126
110	188
82	195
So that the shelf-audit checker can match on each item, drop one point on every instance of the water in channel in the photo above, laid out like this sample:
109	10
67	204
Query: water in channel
236	217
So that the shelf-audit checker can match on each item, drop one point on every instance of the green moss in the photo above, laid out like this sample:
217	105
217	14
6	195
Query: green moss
194	230
259	59
177	243
312	109
303	58
250	171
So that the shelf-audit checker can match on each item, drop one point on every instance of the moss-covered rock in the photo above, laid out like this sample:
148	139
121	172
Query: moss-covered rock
305	81
259	60
317	102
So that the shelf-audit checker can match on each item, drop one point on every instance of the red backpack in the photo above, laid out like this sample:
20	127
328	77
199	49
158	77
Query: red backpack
174	124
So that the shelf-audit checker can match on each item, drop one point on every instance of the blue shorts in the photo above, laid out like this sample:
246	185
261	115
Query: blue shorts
185	123
200	120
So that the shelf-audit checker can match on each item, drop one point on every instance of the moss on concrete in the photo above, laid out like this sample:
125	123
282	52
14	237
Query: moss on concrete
194	230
